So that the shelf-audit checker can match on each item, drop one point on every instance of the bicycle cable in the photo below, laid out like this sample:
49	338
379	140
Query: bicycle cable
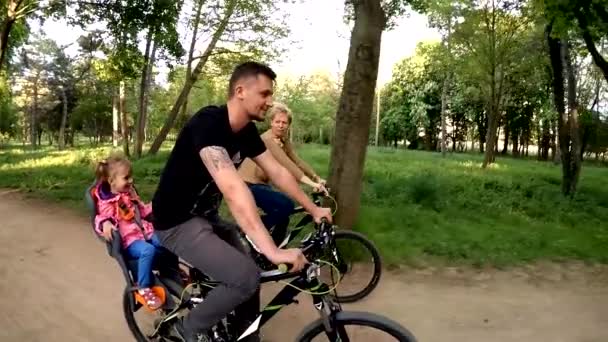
316	293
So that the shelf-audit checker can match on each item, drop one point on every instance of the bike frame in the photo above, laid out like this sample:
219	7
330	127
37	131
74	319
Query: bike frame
287	296
305	280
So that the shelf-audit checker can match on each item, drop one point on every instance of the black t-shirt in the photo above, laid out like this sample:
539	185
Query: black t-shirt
186	188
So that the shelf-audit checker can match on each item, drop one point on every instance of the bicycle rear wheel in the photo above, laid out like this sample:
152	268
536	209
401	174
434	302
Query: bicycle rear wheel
140	323
356	326
359	264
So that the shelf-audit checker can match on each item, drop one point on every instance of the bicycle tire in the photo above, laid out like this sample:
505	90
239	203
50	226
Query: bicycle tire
377	262
127	308
358	318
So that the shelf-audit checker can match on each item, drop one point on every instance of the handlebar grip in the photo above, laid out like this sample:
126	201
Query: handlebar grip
283	268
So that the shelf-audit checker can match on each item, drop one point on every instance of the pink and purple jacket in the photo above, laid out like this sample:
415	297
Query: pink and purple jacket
107	210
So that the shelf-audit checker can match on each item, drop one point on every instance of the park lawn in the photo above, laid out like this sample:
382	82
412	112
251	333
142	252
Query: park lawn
418	207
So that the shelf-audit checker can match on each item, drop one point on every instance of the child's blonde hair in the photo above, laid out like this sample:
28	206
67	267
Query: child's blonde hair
106	168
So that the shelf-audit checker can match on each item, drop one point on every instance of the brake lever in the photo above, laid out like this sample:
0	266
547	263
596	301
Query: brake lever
313	272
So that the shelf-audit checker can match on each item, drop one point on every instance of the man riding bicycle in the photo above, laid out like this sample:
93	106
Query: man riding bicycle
200	171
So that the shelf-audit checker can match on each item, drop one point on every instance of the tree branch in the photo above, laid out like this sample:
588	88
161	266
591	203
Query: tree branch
597	57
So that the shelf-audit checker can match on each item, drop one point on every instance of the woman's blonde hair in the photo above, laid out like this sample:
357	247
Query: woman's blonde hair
277	108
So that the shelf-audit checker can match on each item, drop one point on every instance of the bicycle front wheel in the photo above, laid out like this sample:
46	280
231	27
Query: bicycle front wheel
359	265
356	326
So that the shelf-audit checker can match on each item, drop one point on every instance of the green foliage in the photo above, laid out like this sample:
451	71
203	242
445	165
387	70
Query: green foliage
393	9
416	206
210	89
566	14
8	113
313	100
18	28
124	21
423	189
594	131
412	99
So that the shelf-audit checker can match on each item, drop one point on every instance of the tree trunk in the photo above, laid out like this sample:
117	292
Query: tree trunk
7	25
146	77
39	137
553	141
354	112
539	141
444	105
598	59
4	34
162	135
377	135
545	140
123	118
115	120
569	133
493	112
445	94
197	20
321	135
140	123
575	157
505	147
482	129
515	149
64	119
491	137
34	113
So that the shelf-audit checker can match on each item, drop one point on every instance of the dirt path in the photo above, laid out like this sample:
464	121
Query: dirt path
57	284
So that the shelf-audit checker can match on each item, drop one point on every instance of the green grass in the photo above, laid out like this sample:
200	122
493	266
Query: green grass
417	207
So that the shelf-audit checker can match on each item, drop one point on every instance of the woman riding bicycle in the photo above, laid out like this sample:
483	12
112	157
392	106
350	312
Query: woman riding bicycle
276	205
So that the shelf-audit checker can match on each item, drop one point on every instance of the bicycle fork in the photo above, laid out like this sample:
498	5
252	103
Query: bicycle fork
327	309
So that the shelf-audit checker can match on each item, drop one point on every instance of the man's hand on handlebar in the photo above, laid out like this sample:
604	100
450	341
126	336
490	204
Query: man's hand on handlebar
320	213
292	256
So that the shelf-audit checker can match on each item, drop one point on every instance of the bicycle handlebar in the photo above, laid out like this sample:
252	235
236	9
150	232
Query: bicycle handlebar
318	238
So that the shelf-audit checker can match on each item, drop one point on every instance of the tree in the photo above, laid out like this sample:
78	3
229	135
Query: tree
442	15
569	132
65	73
33	81
587	18
413	97
162	35
13	13
353	118
313	100
196	20
92	114
241	29
491	35
8	115
124	21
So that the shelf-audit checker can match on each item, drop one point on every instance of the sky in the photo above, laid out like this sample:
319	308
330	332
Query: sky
322	39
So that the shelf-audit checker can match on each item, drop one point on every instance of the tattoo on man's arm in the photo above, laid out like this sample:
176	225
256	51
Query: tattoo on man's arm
215	158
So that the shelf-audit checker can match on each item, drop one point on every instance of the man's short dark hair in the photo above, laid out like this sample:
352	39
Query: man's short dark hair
248	69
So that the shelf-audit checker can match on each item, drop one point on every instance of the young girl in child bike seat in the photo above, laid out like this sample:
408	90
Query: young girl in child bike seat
116	200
